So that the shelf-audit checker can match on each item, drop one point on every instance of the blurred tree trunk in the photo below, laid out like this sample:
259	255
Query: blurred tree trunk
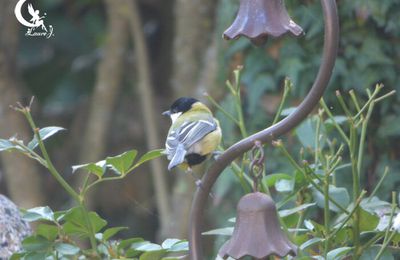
194	23
22	176
148	108
109	75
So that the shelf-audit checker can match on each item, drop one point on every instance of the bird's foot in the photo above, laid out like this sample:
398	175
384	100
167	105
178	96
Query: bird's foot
216	154
198	182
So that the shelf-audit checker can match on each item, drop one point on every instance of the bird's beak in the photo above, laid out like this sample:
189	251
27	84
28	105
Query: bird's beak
166	113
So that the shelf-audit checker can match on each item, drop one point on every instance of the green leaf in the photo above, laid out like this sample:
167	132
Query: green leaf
371	252
368	221
128	242
179	258
146	246
98	168
337	253
38	213
131	253
75	229
228	231
308	258
343	166
75	223
6	145
66	249
284	185
104	249
343	236
168	243
150	156
271	179
232	220
44	133
37	256
175	245
109	232
288	212
340	195
50	232
310	242
182	246
383	223
306	132
374	204
338	119
59	215
17	256
142	246
97	222
309	225
120	164
300	180
36	243
153	255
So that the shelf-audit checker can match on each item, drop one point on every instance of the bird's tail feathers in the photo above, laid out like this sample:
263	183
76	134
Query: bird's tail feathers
178	157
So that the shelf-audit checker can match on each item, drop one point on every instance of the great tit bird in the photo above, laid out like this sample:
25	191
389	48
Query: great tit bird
194	133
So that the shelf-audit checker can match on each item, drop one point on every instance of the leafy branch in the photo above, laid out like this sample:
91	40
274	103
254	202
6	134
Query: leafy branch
56	235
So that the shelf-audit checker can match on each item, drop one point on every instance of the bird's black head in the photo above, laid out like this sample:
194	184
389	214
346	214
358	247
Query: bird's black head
182	104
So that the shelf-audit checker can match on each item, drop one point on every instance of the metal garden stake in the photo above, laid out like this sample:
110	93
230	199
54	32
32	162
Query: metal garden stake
274	21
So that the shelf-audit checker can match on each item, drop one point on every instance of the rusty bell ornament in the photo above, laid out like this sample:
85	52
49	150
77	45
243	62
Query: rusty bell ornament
258	19
257	230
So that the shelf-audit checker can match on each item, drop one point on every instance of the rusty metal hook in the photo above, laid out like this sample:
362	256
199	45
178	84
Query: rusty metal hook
331	40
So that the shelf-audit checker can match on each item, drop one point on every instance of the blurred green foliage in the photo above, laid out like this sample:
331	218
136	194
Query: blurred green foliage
320	200
63	234
61	71
59	235
369	53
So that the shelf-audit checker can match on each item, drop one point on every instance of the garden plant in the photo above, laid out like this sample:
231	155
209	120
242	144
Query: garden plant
323	207
334	179
63	234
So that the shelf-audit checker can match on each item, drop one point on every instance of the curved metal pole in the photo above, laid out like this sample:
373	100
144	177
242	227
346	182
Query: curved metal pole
331	40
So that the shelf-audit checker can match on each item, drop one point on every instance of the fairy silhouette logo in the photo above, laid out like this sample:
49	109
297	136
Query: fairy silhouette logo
36	24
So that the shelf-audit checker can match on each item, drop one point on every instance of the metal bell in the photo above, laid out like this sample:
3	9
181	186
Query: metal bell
258	19
257	231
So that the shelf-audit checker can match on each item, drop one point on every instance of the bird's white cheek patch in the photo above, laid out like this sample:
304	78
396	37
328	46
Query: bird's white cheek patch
175	116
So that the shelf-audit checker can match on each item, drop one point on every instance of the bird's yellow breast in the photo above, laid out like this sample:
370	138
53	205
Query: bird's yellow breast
208	143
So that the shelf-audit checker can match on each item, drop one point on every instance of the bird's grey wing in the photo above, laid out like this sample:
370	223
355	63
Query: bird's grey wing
177	157
171	144
180	140
195	131
174	149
